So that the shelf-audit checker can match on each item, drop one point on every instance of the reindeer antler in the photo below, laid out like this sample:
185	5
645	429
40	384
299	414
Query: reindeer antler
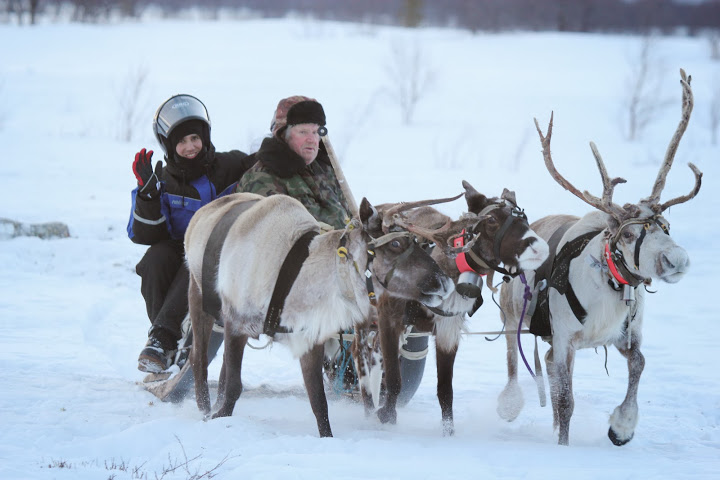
428	233
443	236
603	204
392	216
608	186
687	106
693	192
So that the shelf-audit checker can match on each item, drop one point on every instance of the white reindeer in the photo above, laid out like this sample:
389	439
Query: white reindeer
593	293
332	292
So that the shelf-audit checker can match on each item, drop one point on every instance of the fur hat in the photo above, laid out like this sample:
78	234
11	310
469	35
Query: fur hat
294	111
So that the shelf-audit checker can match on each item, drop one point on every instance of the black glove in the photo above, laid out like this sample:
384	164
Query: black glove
147	179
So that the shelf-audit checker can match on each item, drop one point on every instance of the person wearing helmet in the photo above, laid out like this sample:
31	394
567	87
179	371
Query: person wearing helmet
293	161
163	203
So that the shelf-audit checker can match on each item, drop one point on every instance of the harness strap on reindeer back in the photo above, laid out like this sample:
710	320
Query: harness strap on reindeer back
211	303
288	273
540	324
558	277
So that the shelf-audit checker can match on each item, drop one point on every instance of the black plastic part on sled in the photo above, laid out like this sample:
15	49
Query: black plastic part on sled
411	371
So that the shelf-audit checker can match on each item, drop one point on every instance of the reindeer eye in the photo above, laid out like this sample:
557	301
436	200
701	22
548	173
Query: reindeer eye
628	235
395	244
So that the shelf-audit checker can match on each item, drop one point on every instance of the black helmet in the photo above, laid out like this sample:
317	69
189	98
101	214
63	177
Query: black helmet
174	111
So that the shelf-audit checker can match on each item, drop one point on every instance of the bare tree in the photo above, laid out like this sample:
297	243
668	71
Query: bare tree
642	99
411	13
21	9
3	103
715	113
410	77
131	99
714	41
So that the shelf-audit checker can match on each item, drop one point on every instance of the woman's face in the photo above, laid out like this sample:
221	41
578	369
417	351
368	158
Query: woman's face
304	140
189	146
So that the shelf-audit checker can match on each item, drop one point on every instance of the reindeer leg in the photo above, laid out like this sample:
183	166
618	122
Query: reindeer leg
445	367
561	390
202	328
232	368
624	419
389	344
312	370
539	381
510	401
221	384
552	383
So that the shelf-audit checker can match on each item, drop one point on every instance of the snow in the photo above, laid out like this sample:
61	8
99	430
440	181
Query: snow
73	321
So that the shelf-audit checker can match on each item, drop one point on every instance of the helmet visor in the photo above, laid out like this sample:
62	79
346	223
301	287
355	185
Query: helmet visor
176	110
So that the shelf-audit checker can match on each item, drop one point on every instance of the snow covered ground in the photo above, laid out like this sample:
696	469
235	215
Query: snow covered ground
72	320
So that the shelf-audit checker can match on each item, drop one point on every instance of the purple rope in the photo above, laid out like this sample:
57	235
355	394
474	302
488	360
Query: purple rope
527	297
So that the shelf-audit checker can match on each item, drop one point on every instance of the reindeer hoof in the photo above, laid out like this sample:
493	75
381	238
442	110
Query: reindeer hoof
616	440
222	413
387	416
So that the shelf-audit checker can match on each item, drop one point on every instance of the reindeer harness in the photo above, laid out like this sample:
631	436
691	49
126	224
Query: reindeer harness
471	260
211	303
615	259
555	271
297	256
372	245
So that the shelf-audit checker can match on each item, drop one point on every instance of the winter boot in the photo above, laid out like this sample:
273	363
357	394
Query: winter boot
155	357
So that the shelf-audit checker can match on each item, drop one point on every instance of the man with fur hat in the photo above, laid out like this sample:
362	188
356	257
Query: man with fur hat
162	204
293	162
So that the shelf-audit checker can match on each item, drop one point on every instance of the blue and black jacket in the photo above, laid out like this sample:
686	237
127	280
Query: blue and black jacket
181	195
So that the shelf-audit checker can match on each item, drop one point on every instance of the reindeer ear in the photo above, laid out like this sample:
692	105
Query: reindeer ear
509	195
613	223
369	216
476	201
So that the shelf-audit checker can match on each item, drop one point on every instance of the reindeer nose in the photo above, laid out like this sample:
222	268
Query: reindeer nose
439	285
667	263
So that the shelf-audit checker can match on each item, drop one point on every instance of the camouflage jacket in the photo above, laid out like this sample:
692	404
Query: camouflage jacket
279	170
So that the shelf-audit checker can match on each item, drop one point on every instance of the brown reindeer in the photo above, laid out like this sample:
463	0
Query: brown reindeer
502	241
245	266
593	297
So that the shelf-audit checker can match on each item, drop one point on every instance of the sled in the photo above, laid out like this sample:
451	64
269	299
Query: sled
341	380
176	383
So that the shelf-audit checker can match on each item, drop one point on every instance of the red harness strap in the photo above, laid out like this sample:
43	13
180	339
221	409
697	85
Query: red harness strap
460	260
613	269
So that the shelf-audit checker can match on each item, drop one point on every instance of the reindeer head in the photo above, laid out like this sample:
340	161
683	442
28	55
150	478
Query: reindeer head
503	235
638	234
399	263
496	233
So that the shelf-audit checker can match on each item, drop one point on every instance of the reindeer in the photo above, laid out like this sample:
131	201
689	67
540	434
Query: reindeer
501	236
243	268
592	291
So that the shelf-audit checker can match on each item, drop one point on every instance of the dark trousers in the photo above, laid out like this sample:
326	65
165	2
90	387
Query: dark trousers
165	280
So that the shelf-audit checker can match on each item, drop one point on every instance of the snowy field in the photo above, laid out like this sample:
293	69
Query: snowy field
72	320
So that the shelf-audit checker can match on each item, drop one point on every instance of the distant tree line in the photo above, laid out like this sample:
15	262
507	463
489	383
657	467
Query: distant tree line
616	16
